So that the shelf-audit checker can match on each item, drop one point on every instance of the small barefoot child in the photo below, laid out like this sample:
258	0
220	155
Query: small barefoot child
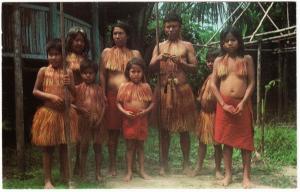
135	101
48	122
233	84
206	120
90	106
77	48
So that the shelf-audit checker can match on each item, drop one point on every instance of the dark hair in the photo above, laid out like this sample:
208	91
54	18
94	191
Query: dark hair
235	32
73	32
173	17
88	64
135	61
54	44
212	53
126	28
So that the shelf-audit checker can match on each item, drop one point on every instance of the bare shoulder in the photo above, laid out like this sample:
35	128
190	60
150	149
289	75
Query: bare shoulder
248	58
106	50
136	53
217	60
42	70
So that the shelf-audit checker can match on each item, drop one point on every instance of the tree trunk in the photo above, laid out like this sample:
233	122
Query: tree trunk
258	78
19	90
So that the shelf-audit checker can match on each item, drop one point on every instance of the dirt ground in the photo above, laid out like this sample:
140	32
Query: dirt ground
205	179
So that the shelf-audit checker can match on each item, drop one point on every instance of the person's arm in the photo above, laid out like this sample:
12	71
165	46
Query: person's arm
155	60
69	82
251	84
47	97
213	85
102	73
129	114
190	63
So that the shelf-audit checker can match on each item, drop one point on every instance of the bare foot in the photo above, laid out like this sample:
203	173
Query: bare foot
48	185
225	182
144	175
128	177
162	171
187	170
194	173
112	172
99	178
247	183
219	175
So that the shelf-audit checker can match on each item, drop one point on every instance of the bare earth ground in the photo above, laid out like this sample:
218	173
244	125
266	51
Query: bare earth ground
206	179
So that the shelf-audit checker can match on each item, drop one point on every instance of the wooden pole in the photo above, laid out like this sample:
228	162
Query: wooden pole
95	33
53	21
279	93
284	83
241	14
158	102
66	95
258	79
224	24
260	23
271	20
18	89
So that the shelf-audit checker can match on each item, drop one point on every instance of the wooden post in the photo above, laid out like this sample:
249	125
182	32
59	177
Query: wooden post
66	96
284	82
95	33
279	93
18	89
258	78
53	21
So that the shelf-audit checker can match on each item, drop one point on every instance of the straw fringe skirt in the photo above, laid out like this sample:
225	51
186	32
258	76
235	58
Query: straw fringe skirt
205	127
48	127
182	116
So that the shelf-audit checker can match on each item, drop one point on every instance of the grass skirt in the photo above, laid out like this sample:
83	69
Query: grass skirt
48	127
182	116
205	127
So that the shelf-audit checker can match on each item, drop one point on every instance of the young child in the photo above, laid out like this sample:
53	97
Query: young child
77	48
233	84
90	105
135	101
206	120
48	122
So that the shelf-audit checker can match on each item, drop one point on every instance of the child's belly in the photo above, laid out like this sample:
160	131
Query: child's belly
233	86
135	105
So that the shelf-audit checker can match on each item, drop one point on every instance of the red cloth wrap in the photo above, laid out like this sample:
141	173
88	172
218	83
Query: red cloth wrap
112	116
136	128
234	130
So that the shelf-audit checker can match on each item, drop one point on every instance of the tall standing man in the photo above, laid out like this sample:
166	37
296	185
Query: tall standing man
176	58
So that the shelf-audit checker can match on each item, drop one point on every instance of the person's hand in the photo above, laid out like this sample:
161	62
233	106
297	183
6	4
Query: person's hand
141	113
130	114
229	108
57	101
239	108
67	81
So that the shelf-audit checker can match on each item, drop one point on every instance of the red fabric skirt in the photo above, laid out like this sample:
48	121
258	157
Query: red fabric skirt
112	116
234	130
136	128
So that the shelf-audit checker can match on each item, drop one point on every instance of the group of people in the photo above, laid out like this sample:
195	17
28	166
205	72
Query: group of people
123	100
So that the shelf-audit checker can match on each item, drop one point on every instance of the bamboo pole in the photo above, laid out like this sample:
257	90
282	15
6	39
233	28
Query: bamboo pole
277	38
271	20
287	14
258	78
19	109
66	95
224	23
266	13
240	14
284	83
95	34
256	35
